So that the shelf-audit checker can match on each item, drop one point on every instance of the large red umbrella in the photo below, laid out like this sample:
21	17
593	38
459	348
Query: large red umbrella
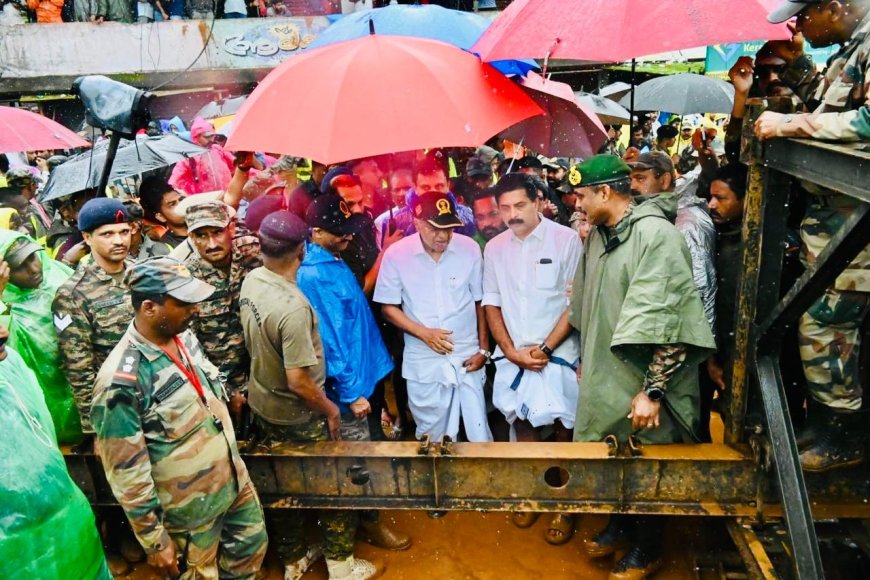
619	30
375	95
566	129
21	130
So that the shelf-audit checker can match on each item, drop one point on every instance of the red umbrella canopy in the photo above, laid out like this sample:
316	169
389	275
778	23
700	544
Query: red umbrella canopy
619	30
375	95
21	130
566	129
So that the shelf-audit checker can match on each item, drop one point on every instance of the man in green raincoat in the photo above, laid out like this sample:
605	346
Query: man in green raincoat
29	280
47	529
643	333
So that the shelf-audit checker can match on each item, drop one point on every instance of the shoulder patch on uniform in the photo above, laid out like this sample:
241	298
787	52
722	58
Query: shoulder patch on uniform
127	372
62	322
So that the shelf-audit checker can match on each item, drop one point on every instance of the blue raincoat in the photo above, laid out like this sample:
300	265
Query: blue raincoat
355	354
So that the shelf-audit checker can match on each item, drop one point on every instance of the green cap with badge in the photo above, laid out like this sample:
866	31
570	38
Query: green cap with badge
598	170
167	276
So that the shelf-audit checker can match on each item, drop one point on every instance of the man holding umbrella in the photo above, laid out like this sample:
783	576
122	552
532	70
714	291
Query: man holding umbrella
829	332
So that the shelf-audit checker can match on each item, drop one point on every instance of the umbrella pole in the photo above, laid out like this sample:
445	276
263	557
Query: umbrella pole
631	117
114	141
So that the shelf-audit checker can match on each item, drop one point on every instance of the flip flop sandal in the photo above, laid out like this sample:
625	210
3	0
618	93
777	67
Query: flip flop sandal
525	519
560	530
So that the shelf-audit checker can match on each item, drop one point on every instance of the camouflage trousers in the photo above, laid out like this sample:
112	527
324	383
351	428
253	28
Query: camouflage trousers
287	527
829	332
232	546
829	335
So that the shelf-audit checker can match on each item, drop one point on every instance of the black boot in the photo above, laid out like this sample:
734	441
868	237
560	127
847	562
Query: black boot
840	442
810	431
616	536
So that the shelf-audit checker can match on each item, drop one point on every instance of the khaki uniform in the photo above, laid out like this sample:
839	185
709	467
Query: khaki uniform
172	460
91	313
281	333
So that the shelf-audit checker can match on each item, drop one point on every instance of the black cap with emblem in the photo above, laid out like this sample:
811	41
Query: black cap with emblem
330	212
438	209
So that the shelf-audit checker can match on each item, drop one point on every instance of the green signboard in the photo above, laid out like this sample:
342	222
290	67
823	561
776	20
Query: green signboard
721	57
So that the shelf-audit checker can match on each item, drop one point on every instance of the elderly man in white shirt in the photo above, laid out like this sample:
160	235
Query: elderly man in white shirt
528	270
430	287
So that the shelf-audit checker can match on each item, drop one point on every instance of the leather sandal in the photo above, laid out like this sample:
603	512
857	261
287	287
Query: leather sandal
560	530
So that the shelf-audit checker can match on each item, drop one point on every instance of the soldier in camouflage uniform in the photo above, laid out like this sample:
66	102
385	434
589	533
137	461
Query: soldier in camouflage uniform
222	260
163	436
286	391
141	246
830	329
92	309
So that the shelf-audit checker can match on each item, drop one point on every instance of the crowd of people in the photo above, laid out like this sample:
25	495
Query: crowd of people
270	299
145	11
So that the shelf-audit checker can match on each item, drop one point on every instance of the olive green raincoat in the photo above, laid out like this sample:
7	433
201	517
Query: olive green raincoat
634	290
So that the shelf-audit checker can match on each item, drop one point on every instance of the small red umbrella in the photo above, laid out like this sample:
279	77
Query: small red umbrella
21	130
375	95
566	129
620	30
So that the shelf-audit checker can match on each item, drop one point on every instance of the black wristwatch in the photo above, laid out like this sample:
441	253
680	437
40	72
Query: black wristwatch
654	394
546	350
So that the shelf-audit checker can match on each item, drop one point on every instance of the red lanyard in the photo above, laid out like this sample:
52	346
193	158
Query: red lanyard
190	373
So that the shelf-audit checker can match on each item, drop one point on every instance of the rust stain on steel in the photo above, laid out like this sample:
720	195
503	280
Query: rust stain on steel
708	479
751	549
746	305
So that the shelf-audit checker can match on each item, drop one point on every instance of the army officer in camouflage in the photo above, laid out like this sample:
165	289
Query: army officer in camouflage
92	309
830	330
163	436
222	259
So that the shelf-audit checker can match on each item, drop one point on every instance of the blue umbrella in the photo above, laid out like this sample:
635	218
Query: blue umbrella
454	27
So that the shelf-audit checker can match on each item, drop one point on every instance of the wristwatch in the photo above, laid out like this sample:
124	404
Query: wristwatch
546	349
487	355
654	394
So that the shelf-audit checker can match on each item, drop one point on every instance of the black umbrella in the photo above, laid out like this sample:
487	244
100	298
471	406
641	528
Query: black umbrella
133	157
682	94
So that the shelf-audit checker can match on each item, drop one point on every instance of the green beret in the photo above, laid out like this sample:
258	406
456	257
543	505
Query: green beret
599	169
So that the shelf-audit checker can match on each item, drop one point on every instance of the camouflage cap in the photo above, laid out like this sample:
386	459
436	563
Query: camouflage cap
167	276
214	214
20	177
597	170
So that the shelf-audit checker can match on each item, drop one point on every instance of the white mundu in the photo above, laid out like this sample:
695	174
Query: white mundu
529	280
439	294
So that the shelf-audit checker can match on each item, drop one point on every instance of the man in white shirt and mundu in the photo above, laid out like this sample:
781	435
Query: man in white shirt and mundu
528	270
430	286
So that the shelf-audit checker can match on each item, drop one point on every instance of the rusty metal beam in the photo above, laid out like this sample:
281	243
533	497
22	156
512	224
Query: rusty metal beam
837	166
758	564
747	301
695	480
